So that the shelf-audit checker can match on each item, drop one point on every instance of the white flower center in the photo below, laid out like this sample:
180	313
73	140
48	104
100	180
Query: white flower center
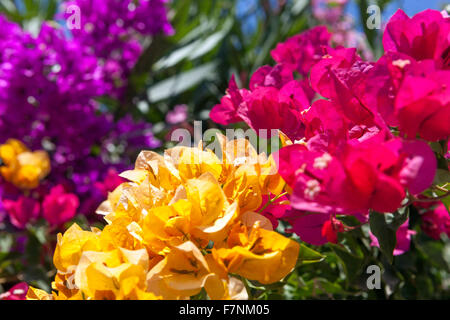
401	63
322	162
312	189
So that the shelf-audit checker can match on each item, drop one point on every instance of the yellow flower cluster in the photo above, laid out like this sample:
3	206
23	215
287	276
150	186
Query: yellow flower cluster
21	167
184	221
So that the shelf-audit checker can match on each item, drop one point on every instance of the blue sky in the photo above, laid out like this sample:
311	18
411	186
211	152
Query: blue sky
411	7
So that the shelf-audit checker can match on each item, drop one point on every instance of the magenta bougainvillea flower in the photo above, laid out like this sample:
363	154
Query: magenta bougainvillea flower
22	211
436	221
358	144
422	37
58	206
17	292
302	51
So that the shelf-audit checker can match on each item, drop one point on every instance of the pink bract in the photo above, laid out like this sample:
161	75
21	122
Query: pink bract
58	206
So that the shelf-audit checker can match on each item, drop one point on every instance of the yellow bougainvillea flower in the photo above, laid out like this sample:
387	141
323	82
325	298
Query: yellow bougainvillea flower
258	254
21	167
183	273
184	221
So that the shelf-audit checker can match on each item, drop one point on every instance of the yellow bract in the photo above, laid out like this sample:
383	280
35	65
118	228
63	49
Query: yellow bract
22	167
184	222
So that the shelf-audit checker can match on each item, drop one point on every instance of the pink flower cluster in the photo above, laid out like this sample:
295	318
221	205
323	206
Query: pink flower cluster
360	128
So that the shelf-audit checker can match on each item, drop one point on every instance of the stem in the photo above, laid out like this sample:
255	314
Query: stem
414	199
272	201
247	287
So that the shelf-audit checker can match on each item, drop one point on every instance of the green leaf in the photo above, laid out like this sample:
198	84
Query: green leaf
442	177
195	49
308	255
384	227
181	82
352	263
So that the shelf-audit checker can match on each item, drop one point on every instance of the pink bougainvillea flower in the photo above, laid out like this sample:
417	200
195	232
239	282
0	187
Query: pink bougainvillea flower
269	108
275	210
417	164
18	292
371	174
436	221
314	228
22	211
302	51
323	121
58	206
424	36
317	178
370	184
321	73
382	84
111	182
423	104
341	76
403	236
267	76
308	226
226	112
178	115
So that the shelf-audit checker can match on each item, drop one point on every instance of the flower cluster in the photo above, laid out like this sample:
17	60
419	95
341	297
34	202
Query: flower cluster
184	222
111	29
24	170
48	87
357	133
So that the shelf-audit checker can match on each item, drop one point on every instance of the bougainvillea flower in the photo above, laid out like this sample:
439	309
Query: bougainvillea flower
22	211
309	226
267	76
226	112
164	225
269	108
70	246
321	73
424	36
370	181
58	206
423	104
382	84
261	255
111	182
317	179
302	51
417	164
323	122
403	236
183	273
22	167
18	292
178	115
436	221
